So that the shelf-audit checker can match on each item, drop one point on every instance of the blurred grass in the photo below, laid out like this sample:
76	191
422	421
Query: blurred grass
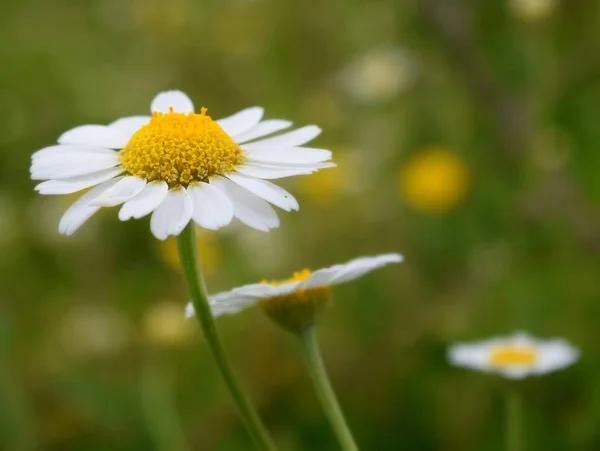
512	94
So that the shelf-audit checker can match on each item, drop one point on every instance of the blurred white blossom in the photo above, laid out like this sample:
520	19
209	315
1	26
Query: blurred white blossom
379	75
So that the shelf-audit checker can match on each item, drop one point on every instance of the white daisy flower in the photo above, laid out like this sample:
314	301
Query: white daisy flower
514	357
179	166
297	301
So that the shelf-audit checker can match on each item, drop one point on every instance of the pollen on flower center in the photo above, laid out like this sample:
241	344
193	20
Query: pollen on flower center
513	356
298	276
299	309
180	148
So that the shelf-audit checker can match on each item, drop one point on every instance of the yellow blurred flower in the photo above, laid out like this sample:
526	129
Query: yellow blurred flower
533	10
165	324
208	248
434	180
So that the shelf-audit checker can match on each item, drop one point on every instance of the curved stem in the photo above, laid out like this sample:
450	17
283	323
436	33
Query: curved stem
318	374
186	244
513	421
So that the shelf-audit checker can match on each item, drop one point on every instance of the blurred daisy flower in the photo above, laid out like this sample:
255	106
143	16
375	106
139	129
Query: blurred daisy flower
533	10
514	357
179	166
434	180
379	75
295	303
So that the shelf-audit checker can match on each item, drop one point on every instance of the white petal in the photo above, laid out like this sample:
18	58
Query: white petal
256	290
95	135
212	208
127	188
251	210
177	100
242	121
72	165
171	217
294	155
189	310
267	191
322	277
74	184
360	266
291	139
81	210
127	126
69	149
262	129
153	194
272	172
554	355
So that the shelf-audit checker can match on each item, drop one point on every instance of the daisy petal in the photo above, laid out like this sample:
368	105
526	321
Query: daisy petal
322	277
127	126
74	184
242	121
94	135
291	139
153	194
267	191
72	165
360	266
262	129
125	189
171	217
272	172
212	208
81	210
69	149
294	155
175	99
249	209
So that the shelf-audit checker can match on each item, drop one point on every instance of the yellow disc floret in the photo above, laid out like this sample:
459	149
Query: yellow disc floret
503	356
300	309
180	148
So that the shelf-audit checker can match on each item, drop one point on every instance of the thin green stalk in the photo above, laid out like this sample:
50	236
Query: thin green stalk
188	254
514	441
318	374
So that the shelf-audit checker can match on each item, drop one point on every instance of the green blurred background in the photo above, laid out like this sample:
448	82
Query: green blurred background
467	137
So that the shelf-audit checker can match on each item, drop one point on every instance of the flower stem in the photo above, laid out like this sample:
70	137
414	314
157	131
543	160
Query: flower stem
513	421
318	374
188	254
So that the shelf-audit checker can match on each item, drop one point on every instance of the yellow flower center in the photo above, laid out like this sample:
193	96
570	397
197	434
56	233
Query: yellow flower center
180	148
300	309
513	356
298	276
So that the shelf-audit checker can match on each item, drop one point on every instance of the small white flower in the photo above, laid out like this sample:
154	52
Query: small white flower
179	166
514	357
302	288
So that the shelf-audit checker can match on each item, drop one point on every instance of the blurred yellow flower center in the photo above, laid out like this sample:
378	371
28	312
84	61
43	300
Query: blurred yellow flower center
434	180
300	309
298	276
180	148
513	356
301	296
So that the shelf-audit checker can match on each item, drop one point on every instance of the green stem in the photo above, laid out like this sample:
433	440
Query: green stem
318	374
513	421
188	254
